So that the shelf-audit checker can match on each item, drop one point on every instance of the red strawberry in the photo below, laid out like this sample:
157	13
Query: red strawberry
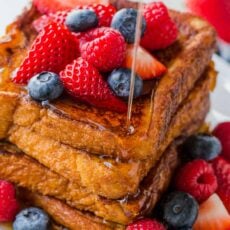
52	50
8	204
212	215
222	132
52	6
222	170
104	48
147	66
217	12
40	23
197	178
161	31
146	224
85	83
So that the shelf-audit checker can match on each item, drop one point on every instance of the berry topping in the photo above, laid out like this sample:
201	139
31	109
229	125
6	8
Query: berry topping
84	82
81	20
119	82
104	48
198	179
146	224
212	215
45	86
125	21
52	6
222	170
217	12
8	203
222	132
161	31
52	50
147	66
202	146
179	210
104	15
31	219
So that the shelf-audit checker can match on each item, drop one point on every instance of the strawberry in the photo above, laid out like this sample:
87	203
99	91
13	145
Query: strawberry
85	83
104	48
222	132
146	224
212	215
52	50
147	66
217	12
222	170
52	6
198	179
161	31
104	13
8	204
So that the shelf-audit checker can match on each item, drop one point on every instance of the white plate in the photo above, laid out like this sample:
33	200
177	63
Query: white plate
220	98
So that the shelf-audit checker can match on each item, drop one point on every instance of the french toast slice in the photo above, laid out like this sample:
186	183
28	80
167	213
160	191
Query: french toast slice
28	173
64	215
104	132
107	177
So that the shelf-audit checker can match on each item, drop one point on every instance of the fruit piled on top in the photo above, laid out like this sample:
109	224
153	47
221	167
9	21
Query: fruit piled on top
88	50
199	197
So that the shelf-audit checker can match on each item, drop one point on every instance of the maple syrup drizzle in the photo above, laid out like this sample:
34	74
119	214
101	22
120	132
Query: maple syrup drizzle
133	70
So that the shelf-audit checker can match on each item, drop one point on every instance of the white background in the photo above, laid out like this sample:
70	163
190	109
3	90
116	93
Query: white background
9	9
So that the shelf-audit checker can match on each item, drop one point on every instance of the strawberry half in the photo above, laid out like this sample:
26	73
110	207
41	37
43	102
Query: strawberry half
222	171
52	6
212	215
52	50
147	66
85	83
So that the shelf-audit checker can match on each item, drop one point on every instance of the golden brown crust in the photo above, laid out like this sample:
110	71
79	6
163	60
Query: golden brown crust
27	173
105	133
107	177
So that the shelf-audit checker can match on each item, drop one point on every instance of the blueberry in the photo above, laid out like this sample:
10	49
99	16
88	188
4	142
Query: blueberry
202	146
119	82
31	219
179	210
125	22
45	86
81	20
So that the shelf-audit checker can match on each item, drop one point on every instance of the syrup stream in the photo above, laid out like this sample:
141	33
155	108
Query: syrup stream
133	70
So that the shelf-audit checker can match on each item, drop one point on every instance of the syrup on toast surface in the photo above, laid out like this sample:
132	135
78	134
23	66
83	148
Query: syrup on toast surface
104	132
108	177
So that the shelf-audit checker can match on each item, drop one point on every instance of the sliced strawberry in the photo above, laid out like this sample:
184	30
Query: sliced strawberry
52	50
222	171
212	215
85	83
147	66
52	6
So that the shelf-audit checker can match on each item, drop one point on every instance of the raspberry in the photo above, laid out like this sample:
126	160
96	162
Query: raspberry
104	13
104	48
222	171
161	31
52	50
84	82
8	204
222	132
146	224
52	6
198	179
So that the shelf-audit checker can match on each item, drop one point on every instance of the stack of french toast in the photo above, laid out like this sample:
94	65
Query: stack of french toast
83	165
